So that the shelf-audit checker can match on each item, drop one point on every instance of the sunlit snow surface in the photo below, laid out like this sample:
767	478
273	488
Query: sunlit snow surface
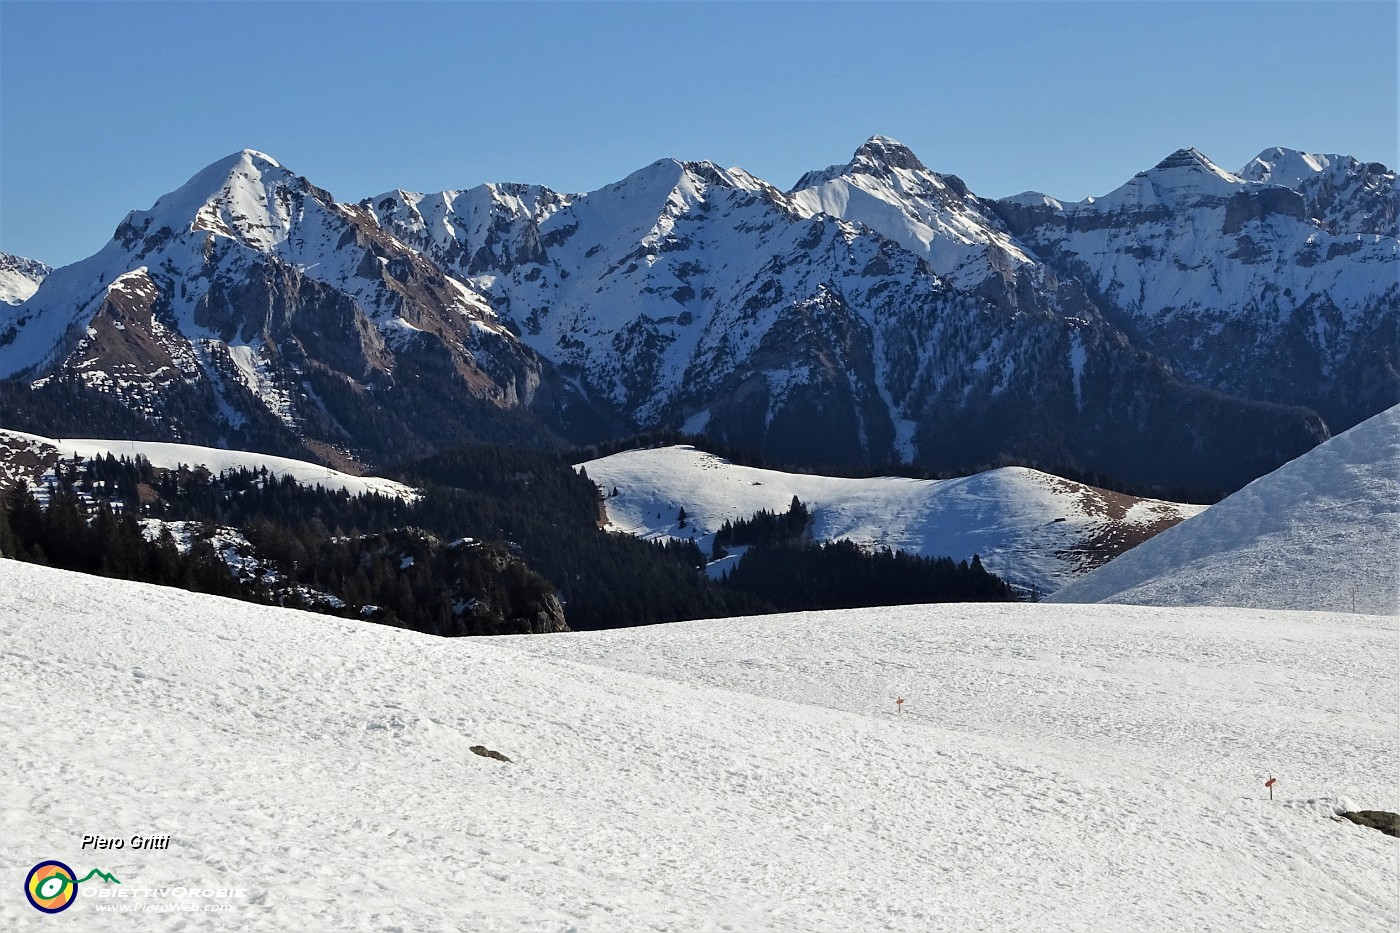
1057	768
1317	533
216	460
1030	527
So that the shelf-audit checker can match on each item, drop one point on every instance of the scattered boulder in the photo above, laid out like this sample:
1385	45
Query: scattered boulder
485	752
1385	821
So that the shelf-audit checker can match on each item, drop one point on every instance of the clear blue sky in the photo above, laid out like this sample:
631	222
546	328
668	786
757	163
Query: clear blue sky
105	106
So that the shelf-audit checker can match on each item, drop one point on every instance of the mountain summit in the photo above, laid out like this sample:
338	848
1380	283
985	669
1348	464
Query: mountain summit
250	304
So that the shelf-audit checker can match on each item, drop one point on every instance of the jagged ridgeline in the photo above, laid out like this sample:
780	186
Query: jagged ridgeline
1193	329
501	541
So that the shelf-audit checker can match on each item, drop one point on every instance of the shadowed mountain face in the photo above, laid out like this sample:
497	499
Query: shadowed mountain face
877	312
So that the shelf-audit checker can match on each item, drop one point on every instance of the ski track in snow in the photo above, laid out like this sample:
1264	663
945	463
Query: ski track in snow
1058	767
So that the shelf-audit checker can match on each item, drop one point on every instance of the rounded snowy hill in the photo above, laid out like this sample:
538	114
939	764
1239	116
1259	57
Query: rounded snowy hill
1317	533
1033	529
1055	768
27	455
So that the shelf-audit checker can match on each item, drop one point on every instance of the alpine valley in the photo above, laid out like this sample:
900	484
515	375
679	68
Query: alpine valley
1191	330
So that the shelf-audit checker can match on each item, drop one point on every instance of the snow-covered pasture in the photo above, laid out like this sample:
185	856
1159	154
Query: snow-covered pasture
1056	768
214	459
1036	530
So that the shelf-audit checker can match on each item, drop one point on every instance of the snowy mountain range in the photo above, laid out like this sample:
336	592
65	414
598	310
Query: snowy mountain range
1279	282
1193	328
1032	529
1322	532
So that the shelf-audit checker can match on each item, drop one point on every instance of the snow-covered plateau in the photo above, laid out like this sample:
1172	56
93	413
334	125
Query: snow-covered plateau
1035	530
1054	768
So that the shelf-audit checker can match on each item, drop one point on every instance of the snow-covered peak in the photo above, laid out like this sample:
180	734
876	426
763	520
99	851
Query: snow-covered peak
1181	179
688	179
19	277
888	189
451	222
1288	167
878	155
883	152
1193	160
246	196
1032	199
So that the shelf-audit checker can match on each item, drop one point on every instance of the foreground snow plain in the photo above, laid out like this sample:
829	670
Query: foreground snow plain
1057	768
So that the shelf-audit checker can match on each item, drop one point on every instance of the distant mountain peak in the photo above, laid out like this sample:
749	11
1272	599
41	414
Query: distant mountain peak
1194	160
887	152
243	196
1288	167
877	156
19	277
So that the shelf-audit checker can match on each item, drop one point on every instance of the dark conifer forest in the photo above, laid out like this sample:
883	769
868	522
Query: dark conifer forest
501	540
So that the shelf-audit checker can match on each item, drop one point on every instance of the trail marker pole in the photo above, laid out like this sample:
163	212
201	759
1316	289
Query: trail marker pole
899	705
1270	785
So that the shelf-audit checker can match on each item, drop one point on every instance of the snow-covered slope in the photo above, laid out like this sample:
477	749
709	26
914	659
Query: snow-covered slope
1035	530
1314	534
1055	769
888	189
19	277
170	456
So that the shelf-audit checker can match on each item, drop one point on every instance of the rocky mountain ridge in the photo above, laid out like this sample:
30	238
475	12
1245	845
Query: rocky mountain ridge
19	277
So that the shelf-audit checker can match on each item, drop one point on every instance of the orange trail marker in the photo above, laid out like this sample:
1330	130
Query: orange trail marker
899	705
1270	785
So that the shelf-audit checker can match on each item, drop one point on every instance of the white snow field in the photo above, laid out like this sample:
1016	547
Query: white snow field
216	460
1057	768
1031	528
1316	533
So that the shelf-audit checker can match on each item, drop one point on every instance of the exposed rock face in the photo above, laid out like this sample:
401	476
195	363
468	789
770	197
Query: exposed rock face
1194	327
878	312
548	617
